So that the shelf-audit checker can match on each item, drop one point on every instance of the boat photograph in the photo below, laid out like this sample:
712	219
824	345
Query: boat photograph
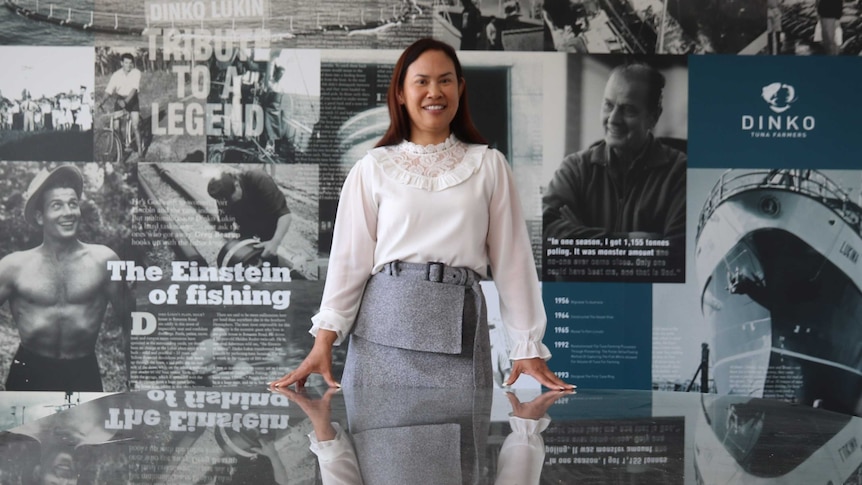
775	288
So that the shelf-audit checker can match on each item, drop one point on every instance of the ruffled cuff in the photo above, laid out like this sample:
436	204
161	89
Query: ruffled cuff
529	426
523	452
329	450
526	432
328	319
529	349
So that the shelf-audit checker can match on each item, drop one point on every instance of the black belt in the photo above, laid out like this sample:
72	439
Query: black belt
433	271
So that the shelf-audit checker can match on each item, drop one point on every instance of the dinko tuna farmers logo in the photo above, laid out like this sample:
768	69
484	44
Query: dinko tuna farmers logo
780	98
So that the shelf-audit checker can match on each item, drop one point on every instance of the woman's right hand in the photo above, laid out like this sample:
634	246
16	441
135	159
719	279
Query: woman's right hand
319	411
318	361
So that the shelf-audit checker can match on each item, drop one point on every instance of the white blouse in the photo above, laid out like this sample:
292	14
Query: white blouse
454	203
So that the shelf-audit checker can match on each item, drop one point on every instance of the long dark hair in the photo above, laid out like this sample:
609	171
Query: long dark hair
399	121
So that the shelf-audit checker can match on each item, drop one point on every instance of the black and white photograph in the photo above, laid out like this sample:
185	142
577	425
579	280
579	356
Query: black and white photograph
814	27
222	214
613	205
491	25
362	24
271	106
46	103
771	300
602	27
63	318
706	26
58	22
150	106
349	24
234	252
73	22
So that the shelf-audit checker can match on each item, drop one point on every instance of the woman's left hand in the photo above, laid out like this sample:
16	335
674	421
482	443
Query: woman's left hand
538	369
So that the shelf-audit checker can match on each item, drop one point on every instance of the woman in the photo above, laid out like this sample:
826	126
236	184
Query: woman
430	192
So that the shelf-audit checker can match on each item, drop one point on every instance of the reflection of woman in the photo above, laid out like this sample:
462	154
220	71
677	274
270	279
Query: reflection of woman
425	213
829	12
393	443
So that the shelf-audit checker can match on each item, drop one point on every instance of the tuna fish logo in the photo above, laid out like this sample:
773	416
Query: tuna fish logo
779	96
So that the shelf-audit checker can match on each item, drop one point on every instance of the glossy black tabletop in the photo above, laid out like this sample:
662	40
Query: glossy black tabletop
423	436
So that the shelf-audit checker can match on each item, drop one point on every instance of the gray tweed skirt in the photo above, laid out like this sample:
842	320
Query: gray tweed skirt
420	325
398	440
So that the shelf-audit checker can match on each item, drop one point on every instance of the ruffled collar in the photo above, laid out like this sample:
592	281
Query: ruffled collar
411	147
430	167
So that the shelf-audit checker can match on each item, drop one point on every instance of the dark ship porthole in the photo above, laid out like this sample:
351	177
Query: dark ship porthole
770	206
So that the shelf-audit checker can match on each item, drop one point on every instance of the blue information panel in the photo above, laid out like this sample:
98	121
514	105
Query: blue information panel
600	334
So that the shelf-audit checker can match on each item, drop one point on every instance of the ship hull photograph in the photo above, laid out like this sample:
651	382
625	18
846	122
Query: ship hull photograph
777	257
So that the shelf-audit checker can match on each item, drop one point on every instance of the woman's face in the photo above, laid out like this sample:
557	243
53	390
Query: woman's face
430	94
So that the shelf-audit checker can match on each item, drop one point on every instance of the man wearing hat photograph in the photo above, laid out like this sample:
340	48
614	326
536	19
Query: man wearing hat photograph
256	204
58	292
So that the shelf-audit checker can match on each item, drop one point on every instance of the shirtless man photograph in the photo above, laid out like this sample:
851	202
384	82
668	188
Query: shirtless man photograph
58	292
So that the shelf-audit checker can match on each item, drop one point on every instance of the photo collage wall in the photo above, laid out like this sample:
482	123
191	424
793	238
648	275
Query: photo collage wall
723	259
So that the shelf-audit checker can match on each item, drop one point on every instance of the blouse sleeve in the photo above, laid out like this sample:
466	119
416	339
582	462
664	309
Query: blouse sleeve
353	242
336	458
513	267
523	452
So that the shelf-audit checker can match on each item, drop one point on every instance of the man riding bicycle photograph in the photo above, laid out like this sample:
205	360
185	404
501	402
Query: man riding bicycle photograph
123	89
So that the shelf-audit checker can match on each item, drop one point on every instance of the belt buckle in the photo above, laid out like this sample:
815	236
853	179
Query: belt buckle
434	271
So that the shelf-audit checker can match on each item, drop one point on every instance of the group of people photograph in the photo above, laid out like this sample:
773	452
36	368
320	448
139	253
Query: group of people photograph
63	111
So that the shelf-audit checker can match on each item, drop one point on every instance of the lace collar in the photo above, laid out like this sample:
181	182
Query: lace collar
415	149
430	167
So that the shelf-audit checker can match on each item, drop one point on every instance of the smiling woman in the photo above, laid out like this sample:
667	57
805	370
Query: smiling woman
421	218
430	96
